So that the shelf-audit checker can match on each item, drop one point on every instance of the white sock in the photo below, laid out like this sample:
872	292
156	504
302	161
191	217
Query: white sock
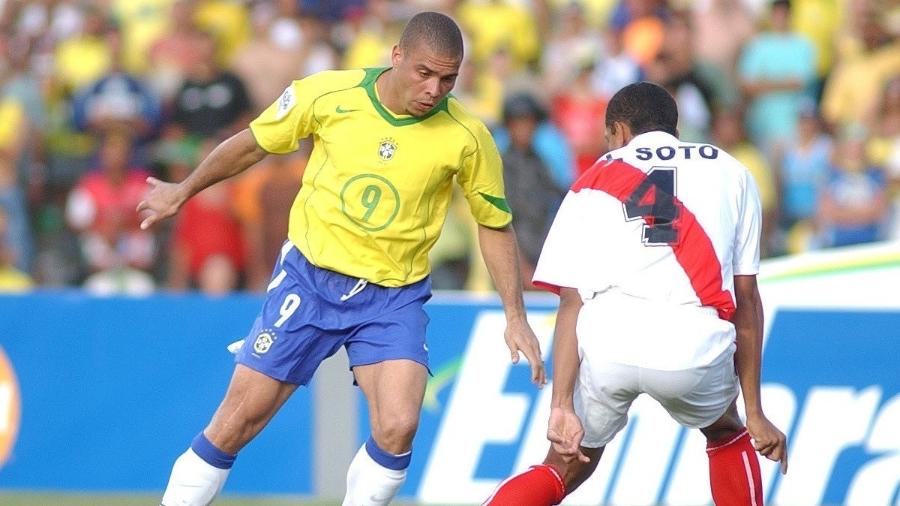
369	483
193	482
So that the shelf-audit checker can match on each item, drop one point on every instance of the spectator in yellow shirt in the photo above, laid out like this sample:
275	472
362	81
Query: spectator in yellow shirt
141	22
856	83
495	24
229	21
81	60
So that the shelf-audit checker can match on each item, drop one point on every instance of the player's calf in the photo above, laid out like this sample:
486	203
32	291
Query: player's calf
734	475
538	486
548	483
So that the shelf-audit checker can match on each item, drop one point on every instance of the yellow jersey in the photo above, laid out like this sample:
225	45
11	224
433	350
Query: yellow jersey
377	186
12	123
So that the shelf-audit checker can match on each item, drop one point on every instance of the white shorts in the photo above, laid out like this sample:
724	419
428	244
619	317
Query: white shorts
695	398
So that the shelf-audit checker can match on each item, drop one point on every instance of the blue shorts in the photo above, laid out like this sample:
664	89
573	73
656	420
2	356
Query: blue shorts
309	313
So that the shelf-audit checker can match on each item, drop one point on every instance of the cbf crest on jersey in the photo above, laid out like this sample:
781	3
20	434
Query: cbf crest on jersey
387	148
263	342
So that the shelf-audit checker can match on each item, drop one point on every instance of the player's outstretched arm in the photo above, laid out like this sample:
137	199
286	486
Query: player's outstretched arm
748	321
498	247
229	158
564	429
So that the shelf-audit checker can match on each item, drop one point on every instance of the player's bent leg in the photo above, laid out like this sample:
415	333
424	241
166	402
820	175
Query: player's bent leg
727	426
538	486
602	418
394	390
251	401
734	475
546	484
575	472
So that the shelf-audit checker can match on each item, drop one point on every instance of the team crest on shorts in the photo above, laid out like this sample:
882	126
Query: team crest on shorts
387	148
263	342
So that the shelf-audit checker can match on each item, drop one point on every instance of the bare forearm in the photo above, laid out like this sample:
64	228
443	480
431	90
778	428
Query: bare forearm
498	247
228	159
565	349
500	252
748	321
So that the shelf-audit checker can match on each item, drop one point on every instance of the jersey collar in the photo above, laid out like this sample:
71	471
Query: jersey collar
368	84
653	138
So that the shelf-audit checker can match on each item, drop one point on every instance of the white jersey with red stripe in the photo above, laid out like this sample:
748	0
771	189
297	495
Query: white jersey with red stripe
652	236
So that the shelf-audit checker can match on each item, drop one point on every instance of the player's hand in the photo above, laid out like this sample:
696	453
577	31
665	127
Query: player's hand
161	201
520	338
770	442
565	433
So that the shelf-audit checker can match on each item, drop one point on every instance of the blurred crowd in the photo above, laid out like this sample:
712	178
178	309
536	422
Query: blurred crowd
97	95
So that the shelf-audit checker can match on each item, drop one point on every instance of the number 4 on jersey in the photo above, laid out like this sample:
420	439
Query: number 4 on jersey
654	201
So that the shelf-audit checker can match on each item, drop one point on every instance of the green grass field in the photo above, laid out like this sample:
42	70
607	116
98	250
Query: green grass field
29	499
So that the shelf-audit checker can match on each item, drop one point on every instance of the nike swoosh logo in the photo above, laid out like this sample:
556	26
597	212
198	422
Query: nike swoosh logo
341	110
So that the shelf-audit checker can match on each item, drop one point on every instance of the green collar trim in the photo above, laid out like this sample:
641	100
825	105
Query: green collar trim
368	84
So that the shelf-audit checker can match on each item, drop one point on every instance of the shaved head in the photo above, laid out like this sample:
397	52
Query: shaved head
437	31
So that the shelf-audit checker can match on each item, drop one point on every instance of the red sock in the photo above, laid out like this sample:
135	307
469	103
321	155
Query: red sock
538	486
734	472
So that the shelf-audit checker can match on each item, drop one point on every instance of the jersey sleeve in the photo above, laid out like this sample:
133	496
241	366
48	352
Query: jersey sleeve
746	247
481	178
290	118
561	263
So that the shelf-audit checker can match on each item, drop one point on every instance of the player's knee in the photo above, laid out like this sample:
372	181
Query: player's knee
395	434
574	472
726	427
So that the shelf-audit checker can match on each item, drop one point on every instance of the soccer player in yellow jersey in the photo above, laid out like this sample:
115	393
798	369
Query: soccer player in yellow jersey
354	270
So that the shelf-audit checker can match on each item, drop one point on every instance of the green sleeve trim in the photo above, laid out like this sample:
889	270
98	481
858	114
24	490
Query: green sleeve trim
498	202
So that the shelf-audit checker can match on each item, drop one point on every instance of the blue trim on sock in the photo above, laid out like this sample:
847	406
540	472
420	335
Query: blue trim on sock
212	455
388	460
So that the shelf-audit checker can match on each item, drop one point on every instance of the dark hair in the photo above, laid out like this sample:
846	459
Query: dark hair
521	105
644	107
438	31
781	3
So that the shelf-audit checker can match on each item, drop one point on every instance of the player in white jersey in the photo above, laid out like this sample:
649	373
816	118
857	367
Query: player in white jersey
654	253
